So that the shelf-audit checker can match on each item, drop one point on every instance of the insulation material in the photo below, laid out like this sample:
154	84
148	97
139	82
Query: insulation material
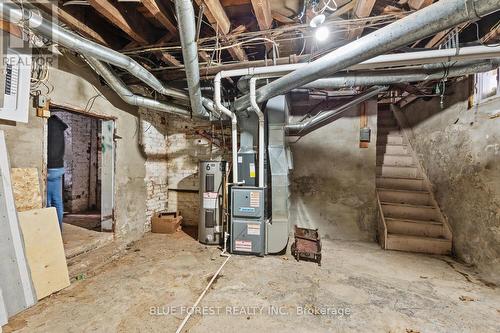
44	250
26	187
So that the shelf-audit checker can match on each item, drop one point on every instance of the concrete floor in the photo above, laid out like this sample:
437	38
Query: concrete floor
88	220
78	240
382	291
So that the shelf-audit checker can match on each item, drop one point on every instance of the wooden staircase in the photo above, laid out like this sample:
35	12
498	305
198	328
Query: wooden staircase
409	219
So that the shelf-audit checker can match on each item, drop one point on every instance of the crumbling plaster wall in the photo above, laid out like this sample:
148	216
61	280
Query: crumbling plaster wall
74	85
459	148
333	181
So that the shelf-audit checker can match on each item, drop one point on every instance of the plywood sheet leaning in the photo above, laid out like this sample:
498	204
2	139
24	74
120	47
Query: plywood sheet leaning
44	250
26	187
15	280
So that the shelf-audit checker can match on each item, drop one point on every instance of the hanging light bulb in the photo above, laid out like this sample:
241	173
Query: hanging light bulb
317	21
321	34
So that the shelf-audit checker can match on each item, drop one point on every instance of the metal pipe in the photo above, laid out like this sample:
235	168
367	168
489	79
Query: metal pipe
260	115
386	76
14	14
187	33
392	77
324	118
437	17
129	97
234	124
388	60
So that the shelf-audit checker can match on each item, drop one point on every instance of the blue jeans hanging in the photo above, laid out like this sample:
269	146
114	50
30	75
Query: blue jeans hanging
54	192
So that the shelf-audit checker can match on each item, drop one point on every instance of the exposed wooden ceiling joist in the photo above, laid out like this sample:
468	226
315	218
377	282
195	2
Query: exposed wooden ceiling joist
133	24
73	22
159	13
491	35
419	4
168	58
217	15
363	9
218	19
281	18
262	10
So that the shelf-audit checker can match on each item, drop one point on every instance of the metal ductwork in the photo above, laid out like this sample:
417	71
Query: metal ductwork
187	32
386	77
129	97
423	23
13	13
324	118
391	76
280	164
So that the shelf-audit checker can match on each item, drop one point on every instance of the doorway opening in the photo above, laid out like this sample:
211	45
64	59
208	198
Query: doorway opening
88	180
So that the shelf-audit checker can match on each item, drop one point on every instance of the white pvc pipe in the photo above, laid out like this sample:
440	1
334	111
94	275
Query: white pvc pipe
260	114
234	124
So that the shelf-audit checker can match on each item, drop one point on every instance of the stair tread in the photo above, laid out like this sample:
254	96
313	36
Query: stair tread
392	144
413	220
437	239
392	177
395	155
402	190
406	205
402	177
390	134
413	166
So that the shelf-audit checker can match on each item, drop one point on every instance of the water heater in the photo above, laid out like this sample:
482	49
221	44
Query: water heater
212	174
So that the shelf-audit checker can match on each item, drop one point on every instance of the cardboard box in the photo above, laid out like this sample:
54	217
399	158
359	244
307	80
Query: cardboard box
166	222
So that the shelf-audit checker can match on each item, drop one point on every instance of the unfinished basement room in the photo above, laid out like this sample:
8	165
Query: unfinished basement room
250	166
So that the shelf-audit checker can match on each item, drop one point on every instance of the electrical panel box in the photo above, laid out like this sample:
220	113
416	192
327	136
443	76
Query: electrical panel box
248	220
15	86
212	174
365	134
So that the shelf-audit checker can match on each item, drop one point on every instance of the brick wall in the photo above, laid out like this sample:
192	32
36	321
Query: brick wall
173	150
185	150
79	162
153	131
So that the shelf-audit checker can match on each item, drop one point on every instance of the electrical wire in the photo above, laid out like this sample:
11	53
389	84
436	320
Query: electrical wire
479	38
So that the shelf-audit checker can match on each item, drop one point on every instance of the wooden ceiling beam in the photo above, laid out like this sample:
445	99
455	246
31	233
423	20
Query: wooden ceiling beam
216	16
262	10
133	24
419	4
168	58
156	9
363	9
73	22
491	35
282	18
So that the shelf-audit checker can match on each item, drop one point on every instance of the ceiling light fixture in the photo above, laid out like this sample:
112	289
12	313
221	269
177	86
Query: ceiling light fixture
317	21
321	34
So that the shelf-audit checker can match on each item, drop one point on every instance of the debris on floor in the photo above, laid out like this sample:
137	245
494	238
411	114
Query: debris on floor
467	299
307	245
166	222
